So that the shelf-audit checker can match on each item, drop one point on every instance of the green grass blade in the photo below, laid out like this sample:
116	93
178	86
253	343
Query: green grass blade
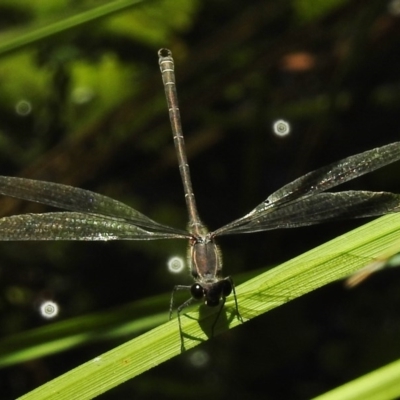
128	320
381	384
329	262
334	260
78	331
36	35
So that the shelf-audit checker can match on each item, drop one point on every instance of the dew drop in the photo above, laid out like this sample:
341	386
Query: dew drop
281	128
176	265
49	309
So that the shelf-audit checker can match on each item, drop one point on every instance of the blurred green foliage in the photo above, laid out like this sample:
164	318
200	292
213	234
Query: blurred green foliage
308	10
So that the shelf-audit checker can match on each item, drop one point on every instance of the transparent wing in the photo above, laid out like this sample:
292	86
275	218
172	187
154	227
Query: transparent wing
336	173
321	207
280	203
73	226
81	201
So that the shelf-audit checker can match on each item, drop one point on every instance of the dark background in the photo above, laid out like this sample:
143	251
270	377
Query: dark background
331	72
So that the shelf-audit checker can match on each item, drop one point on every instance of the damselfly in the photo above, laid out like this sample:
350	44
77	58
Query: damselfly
92	216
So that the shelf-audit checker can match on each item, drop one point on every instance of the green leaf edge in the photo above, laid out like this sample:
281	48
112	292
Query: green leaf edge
329	262
381	384
66	24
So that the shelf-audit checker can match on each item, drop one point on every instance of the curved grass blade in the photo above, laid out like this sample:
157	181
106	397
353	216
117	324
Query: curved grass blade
125	321
329	262
66	24
381	384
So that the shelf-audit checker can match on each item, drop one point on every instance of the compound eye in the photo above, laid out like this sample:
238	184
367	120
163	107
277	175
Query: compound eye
226	288
197	291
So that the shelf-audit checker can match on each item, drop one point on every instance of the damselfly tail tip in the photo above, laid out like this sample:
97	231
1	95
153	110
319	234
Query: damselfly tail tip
162	53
